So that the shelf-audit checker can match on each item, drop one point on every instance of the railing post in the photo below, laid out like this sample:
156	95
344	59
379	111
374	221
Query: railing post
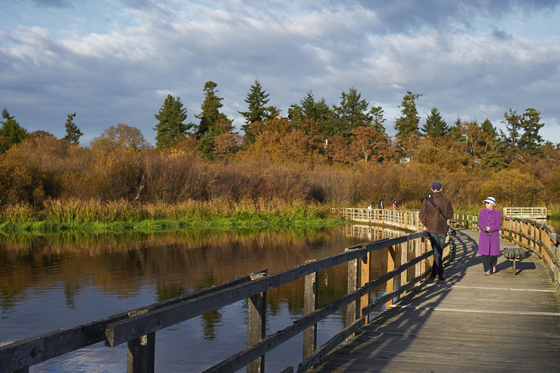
417	253
364	272
141	354
256	324
351	309
309	306
404	259
422	251
390	267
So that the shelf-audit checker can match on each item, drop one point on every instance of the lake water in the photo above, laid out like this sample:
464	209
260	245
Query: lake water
60	281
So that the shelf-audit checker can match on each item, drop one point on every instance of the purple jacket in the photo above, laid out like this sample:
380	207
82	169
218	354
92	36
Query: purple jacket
489	245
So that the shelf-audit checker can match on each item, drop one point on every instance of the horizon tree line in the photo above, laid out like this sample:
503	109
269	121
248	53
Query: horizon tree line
352	123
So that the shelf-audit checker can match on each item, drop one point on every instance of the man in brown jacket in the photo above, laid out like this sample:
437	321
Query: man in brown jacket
436	210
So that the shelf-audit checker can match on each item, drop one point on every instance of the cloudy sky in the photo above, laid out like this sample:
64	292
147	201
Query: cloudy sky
115	61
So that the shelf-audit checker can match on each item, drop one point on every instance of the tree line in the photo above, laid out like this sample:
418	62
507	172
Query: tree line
339	155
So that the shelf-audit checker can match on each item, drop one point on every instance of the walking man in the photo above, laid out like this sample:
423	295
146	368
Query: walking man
436	210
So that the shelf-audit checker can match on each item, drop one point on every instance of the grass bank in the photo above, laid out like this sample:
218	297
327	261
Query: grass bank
122	216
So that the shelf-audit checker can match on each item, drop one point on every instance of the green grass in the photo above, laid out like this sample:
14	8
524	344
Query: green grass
147	226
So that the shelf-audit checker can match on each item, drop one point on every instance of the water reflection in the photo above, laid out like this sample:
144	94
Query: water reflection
60	281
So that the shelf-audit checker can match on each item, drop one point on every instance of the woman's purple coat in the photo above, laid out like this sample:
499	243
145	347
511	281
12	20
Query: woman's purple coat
489	245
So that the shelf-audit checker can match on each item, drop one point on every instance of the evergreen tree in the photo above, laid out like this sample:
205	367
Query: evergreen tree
488	127
212	122
513	122
435	126
73	133
210	115
377	118
170	128
494	159
530	140
11	130
352	113
319	112
258	112
407	124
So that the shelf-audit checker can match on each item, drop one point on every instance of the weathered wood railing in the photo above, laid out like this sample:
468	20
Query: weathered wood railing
526	233
535	237
525	212
405	219
138	328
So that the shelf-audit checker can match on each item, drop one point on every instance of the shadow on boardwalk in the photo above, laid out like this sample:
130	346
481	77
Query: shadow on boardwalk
469	323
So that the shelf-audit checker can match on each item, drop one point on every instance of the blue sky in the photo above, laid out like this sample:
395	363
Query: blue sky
114	61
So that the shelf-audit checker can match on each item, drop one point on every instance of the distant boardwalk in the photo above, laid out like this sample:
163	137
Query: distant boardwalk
469	323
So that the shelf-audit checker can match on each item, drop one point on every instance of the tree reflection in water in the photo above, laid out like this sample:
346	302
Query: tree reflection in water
60	281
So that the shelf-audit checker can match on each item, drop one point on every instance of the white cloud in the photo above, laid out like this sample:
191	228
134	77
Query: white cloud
174	47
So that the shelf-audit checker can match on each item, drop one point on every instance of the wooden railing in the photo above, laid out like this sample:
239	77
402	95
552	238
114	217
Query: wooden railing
138	327
526	233
525	212
405	219
535	237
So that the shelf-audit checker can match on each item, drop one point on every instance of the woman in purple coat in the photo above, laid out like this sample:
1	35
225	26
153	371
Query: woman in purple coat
489	222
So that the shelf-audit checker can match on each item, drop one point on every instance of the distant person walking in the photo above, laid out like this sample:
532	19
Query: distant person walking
394	205
380	205
434	213
489	222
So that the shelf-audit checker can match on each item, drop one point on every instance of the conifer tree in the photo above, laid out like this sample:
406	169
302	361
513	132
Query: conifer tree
435	126
488	127
210	114
377	118
513	122
258	112
170	128
73	133
530	140
407	124
212	122
352	113
494	159
11	130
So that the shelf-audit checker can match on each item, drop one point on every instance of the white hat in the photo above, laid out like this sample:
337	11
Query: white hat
490	200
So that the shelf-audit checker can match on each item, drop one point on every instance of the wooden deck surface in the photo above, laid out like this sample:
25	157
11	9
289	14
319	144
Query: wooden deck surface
469	323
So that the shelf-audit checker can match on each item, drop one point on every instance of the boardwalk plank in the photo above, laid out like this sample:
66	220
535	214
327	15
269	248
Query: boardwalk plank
470	322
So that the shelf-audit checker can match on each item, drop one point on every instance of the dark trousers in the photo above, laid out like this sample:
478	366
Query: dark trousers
489	261
438	243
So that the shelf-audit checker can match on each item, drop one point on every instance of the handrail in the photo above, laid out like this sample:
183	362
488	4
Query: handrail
536	237
138	327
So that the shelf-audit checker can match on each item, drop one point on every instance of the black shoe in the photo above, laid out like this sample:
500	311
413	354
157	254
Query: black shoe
441	278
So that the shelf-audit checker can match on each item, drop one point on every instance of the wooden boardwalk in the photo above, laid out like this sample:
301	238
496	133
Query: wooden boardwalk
469	323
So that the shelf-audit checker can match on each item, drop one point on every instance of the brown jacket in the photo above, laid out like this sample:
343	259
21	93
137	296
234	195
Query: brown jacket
431	218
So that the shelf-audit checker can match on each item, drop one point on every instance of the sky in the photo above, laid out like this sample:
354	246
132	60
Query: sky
115	61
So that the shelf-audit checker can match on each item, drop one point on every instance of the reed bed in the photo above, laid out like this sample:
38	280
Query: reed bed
120	216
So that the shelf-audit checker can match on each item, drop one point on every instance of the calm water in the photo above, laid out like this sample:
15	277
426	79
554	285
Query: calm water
48	283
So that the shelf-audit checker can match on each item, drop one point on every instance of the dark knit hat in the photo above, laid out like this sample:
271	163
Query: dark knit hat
436	185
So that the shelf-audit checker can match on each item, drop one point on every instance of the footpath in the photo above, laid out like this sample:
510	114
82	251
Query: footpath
470	322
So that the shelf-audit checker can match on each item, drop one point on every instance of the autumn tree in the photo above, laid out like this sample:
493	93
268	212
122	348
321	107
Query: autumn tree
120	135
435	126
407	124
170	128
258	111
73	133
369	144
